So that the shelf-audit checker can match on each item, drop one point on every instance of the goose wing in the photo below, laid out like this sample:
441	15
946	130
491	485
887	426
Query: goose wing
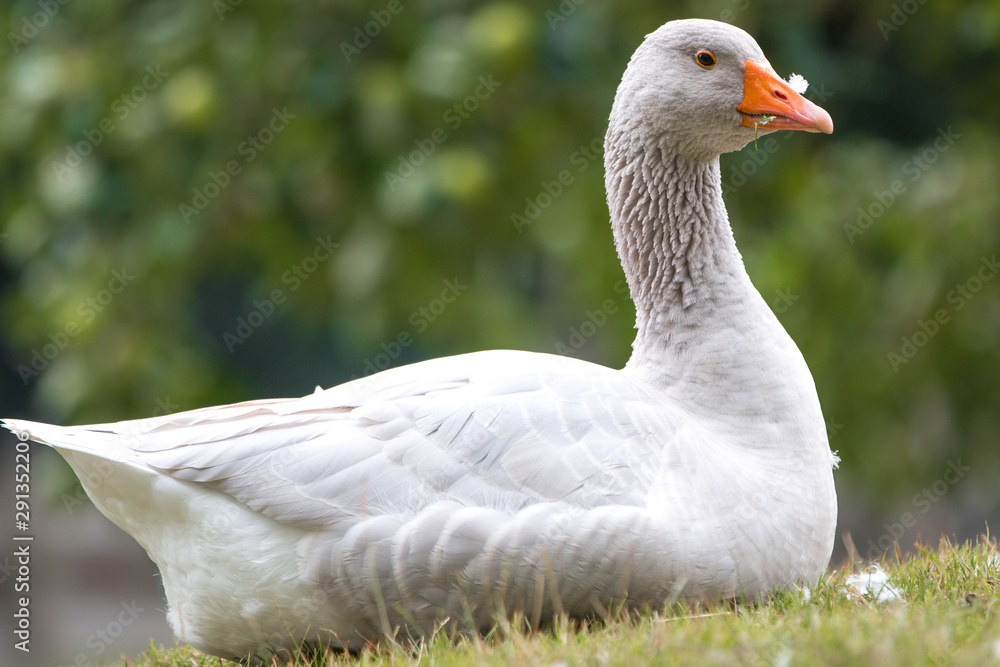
500	430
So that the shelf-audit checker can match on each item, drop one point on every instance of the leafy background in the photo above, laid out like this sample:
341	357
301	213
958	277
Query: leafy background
894	76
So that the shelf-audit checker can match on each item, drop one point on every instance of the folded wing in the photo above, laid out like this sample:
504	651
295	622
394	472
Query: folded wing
549	429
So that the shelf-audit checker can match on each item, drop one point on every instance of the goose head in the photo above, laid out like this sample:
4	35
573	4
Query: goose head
699	88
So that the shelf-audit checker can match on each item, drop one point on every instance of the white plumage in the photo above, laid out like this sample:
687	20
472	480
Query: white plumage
798	83
499	482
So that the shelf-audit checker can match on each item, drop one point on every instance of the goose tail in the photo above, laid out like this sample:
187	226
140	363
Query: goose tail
101	441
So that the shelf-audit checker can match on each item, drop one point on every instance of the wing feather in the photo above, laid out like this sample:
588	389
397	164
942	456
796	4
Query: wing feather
543	430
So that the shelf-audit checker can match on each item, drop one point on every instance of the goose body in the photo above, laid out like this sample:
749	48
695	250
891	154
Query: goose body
466	488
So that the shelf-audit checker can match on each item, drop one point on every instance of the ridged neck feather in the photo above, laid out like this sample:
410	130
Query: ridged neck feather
673	236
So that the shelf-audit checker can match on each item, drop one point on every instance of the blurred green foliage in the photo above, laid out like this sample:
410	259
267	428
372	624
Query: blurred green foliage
212	153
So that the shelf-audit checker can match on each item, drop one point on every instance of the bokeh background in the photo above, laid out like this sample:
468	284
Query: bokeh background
206	202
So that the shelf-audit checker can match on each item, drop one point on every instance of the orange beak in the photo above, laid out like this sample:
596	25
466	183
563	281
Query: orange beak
766	94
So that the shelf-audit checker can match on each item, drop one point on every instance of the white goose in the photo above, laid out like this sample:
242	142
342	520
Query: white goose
501	482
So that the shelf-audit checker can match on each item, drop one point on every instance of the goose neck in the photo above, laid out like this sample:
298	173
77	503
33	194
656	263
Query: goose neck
673	236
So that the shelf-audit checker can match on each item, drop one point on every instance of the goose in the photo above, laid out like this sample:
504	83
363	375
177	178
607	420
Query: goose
455	492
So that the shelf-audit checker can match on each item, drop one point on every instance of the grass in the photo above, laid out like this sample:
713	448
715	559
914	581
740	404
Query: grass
948	616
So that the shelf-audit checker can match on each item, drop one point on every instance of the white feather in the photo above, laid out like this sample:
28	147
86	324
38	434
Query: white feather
873	584
798	83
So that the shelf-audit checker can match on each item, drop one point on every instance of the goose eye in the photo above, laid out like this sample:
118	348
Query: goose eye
705	59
